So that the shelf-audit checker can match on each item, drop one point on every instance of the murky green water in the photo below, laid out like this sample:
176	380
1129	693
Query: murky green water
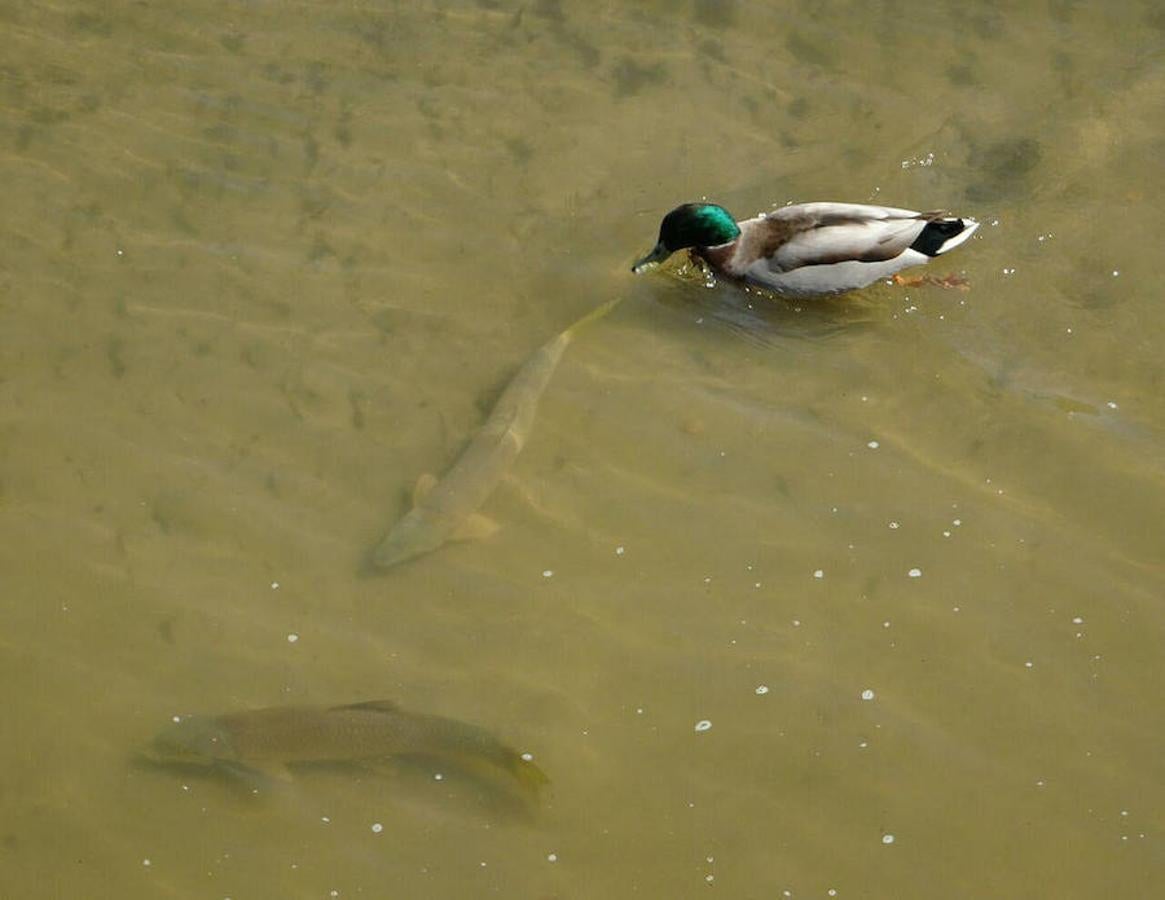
263	264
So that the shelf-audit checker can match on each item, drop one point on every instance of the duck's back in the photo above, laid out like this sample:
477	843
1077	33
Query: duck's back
811	249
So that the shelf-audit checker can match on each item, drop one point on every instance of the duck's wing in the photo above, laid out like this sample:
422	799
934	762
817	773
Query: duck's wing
819	234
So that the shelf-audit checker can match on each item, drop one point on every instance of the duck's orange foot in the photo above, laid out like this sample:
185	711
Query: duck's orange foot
950	280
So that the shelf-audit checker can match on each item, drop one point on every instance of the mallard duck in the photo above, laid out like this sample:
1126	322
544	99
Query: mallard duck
809	249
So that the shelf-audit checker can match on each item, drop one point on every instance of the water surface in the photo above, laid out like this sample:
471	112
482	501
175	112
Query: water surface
266	263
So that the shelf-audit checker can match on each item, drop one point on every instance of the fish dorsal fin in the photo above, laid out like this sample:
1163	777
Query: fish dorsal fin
422	487
377	705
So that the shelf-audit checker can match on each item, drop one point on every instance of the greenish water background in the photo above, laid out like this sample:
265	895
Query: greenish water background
264	263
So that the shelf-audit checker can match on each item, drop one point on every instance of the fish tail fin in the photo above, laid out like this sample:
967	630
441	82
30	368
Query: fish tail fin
500	767
526	773
593	316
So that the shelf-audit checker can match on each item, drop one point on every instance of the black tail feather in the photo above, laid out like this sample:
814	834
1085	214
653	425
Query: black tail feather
937	233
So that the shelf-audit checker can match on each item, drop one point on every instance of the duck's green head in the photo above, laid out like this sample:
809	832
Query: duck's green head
691	225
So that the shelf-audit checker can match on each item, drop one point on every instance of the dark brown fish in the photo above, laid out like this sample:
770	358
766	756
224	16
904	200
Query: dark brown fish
269	740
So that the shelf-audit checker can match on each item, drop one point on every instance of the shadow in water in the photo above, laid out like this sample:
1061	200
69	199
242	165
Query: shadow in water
764	319
410	779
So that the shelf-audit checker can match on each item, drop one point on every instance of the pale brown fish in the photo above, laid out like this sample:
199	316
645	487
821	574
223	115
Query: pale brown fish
447	509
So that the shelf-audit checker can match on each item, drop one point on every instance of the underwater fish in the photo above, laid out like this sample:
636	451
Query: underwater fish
267	741
448	509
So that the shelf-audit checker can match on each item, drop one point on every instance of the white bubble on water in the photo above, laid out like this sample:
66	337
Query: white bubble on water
887	839
915	573
873	445
867	694
703	725
762	689
377	828
818	573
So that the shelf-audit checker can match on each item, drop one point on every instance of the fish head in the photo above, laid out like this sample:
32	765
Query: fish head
414	535
192	740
